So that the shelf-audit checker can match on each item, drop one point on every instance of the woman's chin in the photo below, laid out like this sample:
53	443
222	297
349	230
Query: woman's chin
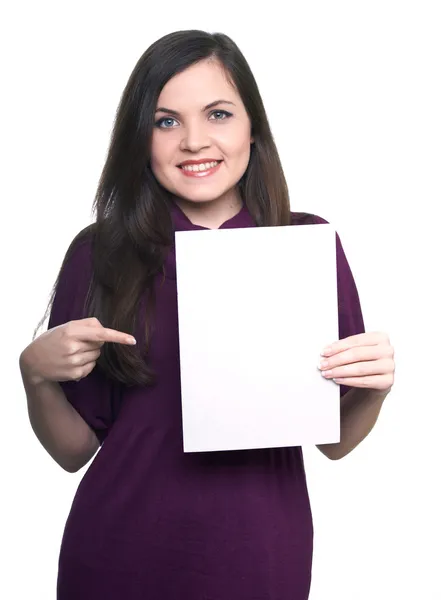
200	198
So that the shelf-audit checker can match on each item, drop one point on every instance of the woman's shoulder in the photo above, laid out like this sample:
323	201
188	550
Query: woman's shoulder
72	284
304	218
79	249
76	264
83	239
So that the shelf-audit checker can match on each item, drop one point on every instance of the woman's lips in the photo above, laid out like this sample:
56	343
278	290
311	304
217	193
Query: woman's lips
204	173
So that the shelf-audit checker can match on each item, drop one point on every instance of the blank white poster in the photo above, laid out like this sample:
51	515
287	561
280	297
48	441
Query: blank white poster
256	307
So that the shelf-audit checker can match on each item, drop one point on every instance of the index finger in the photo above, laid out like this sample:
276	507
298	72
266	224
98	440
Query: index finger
117	337
105	334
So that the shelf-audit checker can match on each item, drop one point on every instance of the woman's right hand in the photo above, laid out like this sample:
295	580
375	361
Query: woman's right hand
69	351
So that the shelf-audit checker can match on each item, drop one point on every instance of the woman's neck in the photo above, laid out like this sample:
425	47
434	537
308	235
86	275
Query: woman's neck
213	213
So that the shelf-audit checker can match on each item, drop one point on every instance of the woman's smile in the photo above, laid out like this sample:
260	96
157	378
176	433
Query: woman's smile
200	169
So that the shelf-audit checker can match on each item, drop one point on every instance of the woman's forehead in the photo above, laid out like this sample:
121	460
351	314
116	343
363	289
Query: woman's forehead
198	86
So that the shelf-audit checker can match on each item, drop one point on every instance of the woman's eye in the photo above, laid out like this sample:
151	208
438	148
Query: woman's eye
165	122
169	122
221	115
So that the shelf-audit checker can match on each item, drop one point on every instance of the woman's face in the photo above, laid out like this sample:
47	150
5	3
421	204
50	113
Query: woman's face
202	136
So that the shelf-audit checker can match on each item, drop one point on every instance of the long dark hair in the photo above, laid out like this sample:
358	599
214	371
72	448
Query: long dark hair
133	226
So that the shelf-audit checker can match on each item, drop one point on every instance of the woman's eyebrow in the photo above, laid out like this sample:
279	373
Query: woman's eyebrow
211	105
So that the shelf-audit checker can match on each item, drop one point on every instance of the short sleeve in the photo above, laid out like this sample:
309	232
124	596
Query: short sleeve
92	397
350	316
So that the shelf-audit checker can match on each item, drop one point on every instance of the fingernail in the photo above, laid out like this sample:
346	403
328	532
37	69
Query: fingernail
325	351
131	340
323	364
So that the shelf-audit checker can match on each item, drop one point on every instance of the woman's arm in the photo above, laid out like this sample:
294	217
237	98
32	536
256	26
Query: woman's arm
359	412
57	425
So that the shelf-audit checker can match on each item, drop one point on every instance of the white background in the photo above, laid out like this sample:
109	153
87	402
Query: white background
352	90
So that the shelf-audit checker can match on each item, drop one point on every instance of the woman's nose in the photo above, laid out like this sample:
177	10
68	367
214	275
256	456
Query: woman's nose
194	138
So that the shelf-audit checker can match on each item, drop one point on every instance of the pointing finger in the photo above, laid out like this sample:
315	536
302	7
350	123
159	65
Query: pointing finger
117	337
105	334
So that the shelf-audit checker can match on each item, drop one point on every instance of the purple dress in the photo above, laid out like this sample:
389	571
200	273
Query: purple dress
149	522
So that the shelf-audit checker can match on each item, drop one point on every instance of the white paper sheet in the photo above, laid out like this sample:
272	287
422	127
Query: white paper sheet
256	306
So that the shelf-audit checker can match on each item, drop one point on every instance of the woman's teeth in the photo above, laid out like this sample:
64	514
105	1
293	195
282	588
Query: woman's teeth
201	167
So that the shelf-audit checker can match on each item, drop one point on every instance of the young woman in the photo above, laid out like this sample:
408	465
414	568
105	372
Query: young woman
191	149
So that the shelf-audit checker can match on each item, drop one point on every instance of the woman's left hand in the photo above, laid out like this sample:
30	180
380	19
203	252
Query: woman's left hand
365	360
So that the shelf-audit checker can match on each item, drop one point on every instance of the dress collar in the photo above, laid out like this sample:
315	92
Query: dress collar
182	223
